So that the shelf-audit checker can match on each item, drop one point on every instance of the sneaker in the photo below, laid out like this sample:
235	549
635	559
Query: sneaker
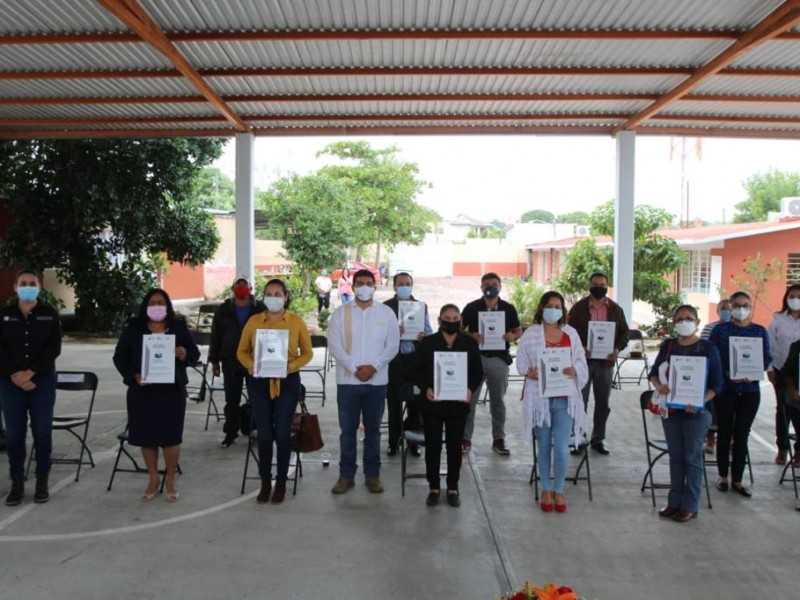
342	485
16	494
391	450
228	441
373	485
499	446
414	450
465	446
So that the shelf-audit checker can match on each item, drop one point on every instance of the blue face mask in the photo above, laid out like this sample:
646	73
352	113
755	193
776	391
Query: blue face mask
27	293
404	292
552	315
725	314
491	292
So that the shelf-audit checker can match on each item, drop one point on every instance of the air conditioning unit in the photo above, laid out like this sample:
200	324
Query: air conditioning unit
583	231
790	206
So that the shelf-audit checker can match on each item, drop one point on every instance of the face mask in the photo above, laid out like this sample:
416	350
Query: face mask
450	327
598	291
794	303
404	292
365	292
740	313
725	315
685	328
491	292
552	315
157	313
241	292
274	303
28	293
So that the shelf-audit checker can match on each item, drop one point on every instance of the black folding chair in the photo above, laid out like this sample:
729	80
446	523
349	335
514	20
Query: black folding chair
136	467
712	462
581	447
633	352
790	463
318	366
85	386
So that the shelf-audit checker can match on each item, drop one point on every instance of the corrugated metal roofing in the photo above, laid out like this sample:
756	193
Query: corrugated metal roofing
416	66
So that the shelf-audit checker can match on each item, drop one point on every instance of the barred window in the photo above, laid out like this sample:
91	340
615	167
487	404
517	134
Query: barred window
696	274
792	268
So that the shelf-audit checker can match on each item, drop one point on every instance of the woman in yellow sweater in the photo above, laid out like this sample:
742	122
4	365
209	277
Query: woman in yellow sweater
274	391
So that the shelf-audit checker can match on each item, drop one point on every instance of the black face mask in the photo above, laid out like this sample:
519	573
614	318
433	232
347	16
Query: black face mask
598	291
450	327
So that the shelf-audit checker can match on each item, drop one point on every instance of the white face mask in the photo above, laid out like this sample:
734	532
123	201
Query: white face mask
274	303
740	313
365	292
794	303
685	328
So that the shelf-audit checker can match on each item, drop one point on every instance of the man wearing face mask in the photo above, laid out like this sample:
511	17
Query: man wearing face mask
363	337
226	329
401	370
724	314
597	306
495	362
323	285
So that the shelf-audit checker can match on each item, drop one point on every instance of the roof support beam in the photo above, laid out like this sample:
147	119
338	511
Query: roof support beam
132	14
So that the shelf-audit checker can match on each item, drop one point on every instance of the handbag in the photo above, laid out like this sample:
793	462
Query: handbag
306	434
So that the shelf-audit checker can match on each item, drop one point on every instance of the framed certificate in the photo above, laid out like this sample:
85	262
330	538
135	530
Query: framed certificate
600	339
687	382
158	358
412	317
272	353
746	358
551	364
492	326
450	376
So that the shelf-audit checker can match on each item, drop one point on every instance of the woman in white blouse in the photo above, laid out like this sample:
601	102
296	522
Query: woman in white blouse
553	419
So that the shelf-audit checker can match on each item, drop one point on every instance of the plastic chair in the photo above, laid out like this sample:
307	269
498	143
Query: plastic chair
583	447
85	384
658	447
634	351
318	367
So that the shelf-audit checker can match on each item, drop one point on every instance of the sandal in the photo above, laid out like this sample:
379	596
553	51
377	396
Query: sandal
173	495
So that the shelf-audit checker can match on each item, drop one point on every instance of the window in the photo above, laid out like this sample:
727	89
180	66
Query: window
696	274
792	268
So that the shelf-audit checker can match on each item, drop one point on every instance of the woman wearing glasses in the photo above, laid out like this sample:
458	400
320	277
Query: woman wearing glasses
738	403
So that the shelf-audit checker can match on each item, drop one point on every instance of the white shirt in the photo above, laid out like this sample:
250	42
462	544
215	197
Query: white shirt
375	341
323	284
783	331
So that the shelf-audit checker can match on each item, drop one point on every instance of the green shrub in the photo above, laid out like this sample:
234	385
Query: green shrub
525	296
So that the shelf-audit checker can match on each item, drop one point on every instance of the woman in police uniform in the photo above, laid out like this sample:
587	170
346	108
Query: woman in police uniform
30	342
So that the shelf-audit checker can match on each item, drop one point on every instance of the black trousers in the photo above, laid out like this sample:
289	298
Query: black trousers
452	417
233	375
399	390
736	412
784	413
323	301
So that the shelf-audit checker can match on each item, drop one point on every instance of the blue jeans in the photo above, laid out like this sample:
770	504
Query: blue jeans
272	418
556	437
355	401
685	433
16	405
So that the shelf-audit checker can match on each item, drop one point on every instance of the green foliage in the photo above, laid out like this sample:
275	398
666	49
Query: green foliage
494	234
764	193
525	296
646	220
537	214
213	189
577	217
323	318
585	258
102	213
756	274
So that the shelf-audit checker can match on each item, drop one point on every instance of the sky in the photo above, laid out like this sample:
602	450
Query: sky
500	177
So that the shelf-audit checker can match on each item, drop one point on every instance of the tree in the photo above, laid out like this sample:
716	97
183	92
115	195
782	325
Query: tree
764	193
577	217
532	216
213	189
105	214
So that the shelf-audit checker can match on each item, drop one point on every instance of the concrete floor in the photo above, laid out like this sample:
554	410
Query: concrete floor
214	543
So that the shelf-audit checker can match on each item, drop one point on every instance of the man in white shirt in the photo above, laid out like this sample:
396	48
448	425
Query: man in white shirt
363	337
324	285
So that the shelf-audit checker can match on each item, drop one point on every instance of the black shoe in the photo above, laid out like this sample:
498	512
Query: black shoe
42	494
742	491
228	441
499	446
601	448
453	500
414	450
16	494
722	486
432	499
391	450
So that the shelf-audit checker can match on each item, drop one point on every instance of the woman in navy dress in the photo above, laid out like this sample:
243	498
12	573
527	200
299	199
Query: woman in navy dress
156	411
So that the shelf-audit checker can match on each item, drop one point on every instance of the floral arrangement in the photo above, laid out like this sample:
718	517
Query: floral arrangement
549	592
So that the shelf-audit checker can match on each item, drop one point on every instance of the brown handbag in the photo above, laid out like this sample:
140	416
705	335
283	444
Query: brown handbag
306	434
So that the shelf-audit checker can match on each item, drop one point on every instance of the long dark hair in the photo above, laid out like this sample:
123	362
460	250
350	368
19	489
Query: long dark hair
546	297
142	313
785	305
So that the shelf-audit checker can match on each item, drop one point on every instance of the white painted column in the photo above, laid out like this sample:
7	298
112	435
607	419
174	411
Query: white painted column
245	217
623	222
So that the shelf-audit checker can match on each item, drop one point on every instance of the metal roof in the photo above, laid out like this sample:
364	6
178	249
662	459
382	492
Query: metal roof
74	68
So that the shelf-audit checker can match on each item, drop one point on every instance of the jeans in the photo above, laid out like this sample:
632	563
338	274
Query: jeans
495	370
400	390
601	376
233	375
556	437
353	402
272	418
736	412
16	405
436	416
685	433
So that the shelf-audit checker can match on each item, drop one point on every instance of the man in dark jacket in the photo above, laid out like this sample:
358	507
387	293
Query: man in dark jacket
598	307
226	329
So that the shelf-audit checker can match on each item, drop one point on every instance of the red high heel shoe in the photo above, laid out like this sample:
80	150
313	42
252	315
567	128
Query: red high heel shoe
546	506
562	508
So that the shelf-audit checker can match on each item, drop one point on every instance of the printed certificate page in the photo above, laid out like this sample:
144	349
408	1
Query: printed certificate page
450	375
492	326
412	318
552	381
158	358
272	353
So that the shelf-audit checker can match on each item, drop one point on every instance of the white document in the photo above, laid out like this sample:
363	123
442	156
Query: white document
272	353
450	376
412	318
600	341
746	358
492	326
158	358
687	381
552	381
